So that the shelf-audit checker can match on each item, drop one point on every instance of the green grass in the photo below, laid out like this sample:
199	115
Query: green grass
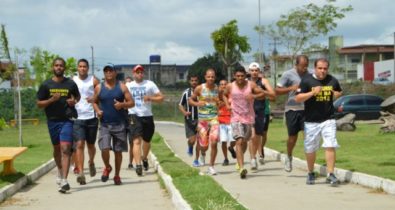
39	151
201	192
364	150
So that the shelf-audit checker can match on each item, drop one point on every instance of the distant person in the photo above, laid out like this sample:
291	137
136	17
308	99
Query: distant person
294	112
318	91
144	93
242	93
190	118
111	101
205	97
225	128
85	126
128	79
58	97
261	119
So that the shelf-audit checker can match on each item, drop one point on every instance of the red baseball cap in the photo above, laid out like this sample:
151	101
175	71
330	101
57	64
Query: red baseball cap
138	67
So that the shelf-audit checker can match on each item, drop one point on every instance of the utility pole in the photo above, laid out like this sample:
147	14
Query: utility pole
18	86
274	57
260	34
93	62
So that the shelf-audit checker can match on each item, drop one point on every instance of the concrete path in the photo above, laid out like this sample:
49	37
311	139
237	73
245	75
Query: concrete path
273	188
135	192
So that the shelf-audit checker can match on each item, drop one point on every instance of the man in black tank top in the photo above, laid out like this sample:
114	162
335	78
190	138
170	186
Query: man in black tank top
258	142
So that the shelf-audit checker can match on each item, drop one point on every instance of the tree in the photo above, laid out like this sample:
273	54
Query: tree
302	24
200	66
41	62
7	72
230	45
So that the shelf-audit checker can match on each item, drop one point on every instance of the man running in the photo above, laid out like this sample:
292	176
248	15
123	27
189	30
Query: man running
318	91
205	97
85	127
294	112
190	118
144	93
242	93
58	96
259	109
111	100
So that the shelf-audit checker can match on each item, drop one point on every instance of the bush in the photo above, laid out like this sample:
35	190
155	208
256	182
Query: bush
3	124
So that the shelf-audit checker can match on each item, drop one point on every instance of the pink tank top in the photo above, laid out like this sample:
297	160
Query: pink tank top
242	109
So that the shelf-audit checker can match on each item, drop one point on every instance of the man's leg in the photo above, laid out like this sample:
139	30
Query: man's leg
118	162
57	157
79	162
330	156
137	155
240	152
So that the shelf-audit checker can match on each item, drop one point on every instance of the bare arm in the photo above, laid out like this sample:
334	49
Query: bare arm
269	92
193	99
302	97
95	104
285	90
155	98
44	103
128	102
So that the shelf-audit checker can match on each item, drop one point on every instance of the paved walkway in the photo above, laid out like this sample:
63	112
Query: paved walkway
273	188
135	192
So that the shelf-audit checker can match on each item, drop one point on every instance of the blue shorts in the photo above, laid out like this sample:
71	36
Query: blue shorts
60	131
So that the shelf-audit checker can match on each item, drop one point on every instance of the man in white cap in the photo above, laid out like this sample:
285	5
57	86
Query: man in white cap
261	121
144	93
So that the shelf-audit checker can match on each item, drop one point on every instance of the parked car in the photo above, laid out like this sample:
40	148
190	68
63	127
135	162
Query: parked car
364	106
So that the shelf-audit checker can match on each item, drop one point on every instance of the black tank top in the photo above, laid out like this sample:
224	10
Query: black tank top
259	104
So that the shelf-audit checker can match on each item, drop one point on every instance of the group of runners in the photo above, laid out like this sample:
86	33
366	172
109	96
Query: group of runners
235	113
77	108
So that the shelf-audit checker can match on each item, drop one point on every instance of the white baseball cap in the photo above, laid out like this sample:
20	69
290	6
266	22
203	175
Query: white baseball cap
254	65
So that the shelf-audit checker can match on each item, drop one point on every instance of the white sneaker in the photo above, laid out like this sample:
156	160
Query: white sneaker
288	164
211	171
254	165
202	160
58	178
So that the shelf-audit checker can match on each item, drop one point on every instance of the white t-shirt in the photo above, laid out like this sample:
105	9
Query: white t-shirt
84	108
138	91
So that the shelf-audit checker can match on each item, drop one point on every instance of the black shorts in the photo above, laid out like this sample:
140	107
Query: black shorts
259	122
85	130
295	122
190	127
141	126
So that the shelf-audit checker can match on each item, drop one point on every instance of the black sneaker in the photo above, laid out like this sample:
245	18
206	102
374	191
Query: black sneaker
226	162
310	178
145	165
139	170
332	180
64	186
232	152
130	166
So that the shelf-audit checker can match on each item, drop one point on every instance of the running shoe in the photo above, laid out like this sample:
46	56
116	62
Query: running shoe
332	180
310	178
81	179
190	150
211	171
145	165
130	166
288	164
58	178
261	160
64	186
254	165
232	152
92	170
195	163
117	180
226	162
243	173
139	170
202	160
106	174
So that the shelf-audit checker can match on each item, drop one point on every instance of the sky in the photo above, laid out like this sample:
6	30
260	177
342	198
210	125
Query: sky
129	31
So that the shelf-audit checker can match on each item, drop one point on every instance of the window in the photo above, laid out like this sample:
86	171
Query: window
372	100
181	76
356	101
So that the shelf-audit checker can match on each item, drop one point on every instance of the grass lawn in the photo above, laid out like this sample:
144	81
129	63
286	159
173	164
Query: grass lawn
201	192
39	151
364	150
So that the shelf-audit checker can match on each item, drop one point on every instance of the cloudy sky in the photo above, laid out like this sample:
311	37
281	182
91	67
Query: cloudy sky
128	31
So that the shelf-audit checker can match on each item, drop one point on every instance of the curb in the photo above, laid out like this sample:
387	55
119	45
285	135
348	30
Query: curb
343	175
176	197
11	189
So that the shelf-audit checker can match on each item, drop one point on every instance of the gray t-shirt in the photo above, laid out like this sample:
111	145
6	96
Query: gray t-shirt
290	78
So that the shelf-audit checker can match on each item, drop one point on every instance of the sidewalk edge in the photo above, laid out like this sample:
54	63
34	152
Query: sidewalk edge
13	188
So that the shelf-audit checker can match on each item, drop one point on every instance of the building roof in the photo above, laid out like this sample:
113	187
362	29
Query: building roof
367	48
